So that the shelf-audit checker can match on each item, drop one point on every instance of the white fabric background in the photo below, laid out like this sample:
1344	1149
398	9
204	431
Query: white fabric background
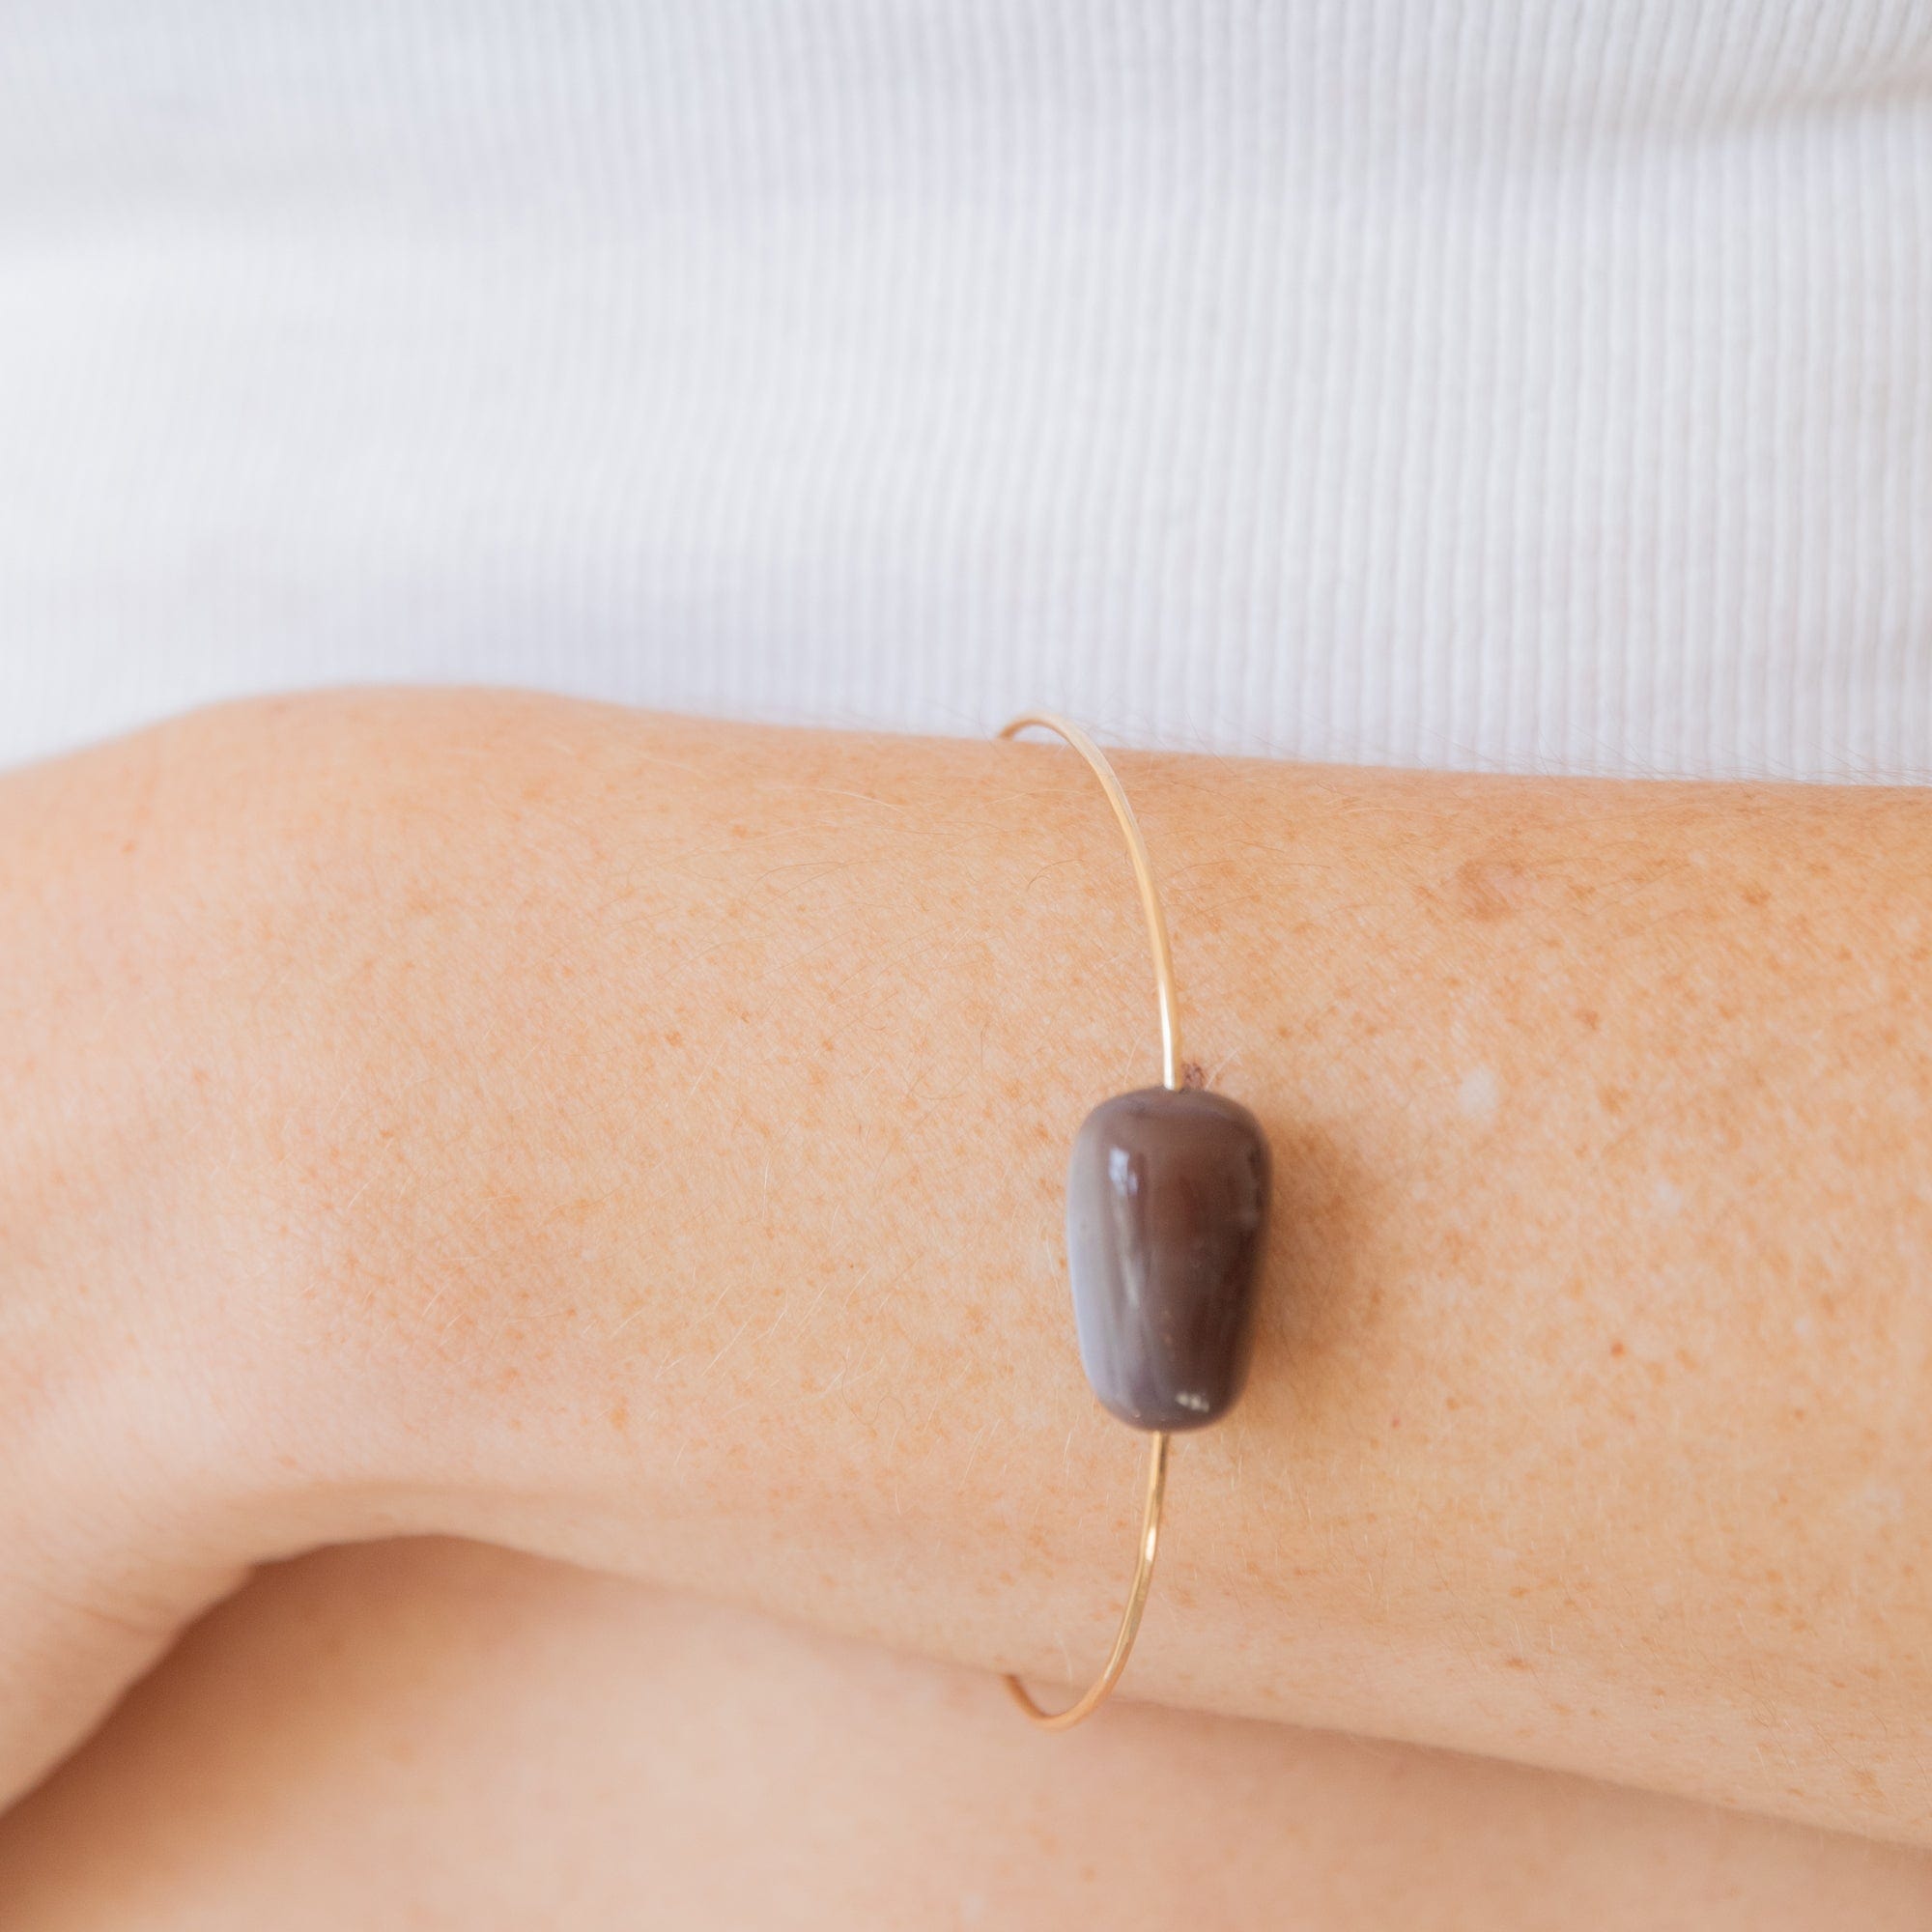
1543	383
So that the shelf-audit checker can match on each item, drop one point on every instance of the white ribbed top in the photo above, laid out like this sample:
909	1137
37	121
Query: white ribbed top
1540	383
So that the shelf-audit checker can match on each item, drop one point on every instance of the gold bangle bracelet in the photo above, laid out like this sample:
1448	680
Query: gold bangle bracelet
1166	1203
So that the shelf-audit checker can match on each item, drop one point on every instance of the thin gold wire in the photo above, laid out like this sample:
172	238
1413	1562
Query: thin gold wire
1158	1441
1137	851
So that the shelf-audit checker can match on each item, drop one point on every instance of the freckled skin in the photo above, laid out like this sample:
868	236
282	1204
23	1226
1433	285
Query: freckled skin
776	1163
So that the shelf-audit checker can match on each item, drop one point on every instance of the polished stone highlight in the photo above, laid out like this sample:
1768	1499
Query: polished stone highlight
1166	1207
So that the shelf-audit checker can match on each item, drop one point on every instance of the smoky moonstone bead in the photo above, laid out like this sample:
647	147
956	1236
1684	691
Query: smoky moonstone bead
1166	1207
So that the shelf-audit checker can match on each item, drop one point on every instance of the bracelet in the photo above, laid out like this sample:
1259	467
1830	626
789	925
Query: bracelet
1167	1198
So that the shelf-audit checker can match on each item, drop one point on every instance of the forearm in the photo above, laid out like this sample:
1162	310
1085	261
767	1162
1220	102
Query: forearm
663	1126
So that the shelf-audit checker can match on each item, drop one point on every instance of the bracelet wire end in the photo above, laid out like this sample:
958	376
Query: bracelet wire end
1158	1445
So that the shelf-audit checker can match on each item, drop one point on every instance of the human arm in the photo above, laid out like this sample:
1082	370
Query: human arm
641	1141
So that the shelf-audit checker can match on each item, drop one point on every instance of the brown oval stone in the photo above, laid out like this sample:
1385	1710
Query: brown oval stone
1166	1206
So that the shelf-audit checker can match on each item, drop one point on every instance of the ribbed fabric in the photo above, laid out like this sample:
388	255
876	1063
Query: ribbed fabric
1530	383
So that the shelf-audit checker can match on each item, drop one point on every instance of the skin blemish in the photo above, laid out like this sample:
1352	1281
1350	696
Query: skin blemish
1476	1097
1488	890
